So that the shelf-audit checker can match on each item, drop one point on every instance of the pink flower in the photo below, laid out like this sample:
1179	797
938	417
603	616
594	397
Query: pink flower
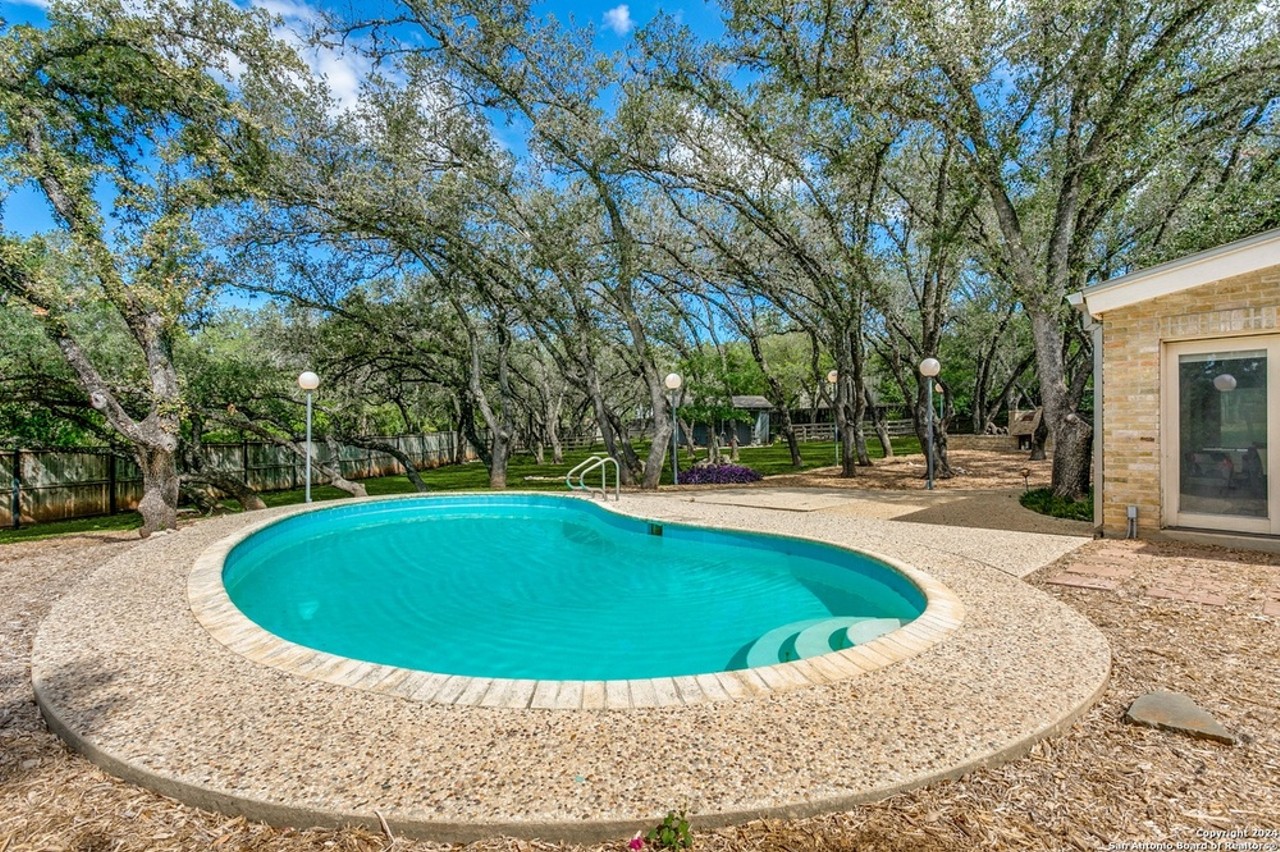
637	842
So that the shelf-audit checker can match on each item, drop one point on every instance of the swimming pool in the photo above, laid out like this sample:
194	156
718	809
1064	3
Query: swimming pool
552	588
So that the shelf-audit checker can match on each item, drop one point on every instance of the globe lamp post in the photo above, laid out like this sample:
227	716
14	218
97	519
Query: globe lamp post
832	378
929	368
308	381
673	383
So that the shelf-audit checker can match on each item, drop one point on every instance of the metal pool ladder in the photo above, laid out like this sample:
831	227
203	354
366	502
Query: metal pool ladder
586	466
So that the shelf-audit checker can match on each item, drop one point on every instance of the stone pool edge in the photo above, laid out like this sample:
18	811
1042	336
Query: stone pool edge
223	620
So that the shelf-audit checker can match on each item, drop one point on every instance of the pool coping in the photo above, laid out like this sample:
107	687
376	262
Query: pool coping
136	685
224	621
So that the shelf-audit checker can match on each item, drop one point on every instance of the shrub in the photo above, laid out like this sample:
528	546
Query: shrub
1044	501
671	833
718	474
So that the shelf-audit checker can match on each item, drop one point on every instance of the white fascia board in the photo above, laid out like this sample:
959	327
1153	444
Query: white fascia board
1238	258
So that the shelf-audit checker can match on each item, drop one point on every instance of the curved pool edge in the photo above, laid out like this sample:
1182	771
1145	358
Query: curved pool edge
224	621
126	676
283	815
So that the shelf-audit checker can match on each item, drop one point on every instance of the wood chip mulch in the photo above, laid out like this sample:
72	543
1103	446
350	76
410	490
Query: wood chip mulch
1101	784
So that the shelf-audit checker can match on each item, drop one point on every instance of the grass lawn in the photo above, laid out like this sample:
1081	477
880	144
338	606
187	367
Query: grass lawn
522	473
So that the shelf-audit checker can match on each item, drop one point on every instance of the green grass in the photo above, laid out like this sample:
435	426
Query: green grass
522	473
774	460
1044	501
525	474
102	523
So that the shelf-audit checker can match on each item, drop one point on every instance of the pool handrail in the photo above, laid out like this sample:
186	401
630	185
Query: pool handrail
586	466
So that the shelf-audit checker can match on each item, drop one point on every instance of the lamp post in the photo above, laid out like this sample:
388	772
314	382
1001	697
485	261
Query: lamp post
832	377
308	381
929	368
673	383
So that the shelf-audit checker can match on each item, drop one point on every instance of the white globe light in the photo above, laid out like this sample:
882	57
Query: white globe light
673	381
308	380
833	377
1225	382
930	367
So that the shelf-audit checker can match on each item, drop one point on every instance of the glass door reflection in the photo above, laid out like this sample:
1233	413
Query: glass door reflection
1223	433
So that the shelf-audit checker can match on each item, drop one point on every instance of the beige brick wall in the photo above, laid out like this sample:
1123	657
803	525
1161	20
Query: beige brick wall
1131	359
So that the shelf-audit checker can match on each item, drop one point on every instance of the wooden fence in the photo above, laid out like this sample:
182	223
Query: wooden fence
51	485
825	431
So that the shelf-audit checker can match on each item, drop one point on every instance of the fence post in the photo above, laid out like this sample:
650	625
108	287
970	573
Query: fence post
244	459
16	504
112	503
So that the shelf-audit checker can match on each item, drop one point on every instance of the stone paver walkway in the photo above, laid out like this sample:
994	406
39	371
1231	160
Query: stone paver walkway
1109	568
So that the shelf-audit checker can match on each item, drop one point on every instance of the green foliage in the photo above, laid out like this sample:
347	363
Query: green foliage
671	833
1044	501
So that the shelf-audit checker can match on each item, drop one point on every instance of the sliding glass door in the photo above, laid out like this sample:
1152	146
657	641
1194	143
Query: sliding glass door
1219	427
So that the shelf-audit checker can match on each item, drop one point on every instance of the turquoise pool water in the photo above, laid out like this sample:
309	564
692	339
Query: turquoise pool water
529	586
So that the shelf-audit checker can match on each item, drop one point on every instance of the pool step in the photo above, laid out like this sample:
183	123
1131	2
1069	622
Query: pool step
822	638
871	628
774	646
815	636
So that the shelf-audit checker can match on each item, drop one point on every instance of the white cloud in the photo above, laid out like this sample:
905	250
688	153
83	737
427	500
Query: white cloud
39	4
619	19
341	70
288	9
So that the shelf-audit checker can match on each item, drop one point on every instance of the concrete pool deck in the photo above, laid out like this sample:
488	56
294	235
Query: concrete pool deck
126	673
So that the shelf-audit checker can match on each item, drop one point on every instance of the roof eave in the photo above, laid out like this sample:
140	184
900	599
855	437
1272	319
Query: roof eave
1239	258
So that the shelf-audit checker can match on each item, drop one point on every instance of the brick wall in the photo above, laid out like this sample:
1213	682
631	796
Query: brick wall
1132	338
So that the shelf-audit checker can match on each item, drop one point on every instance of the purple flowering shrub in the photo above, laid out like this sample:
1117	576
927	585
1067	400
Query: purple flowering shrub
718	474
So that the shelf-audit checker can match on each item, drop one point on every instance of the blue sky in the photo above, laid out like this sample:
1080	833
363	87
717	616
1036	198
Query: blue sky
26	212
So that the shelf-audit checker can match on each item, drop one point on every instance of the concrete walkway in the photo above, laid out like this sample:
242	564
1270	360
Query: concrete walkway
996	509
945	520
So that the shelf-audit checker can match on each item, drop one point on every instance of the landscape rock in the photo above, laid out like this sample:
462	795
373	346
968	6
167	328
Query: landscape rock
1173	711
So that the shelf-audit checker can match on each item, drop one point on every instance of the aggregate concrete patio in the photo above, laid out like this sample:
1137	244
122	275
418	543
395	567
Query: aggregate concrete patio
126	673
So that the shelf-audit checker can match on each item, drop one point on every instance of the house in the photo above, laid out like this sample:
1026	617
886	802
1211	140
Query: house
1187	367
751	432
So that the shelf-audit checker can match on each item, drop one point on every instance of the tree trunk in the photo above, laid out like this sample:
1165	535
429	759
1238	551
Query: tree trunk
249	500
1072	457
1071	433
1038	439
627	461
793	444
410	469
686	431
878	423
553	429
941	464
159	503
333	472
663	429
499	454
